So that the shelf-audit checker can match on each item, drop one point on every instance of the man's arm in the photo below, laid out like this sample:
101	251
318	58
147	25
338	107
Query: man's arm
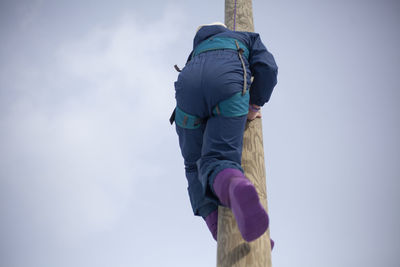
264	70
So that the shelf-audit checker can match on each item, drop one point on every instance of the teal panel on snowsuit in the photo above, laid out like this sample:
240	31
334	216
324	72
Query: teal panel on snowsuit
235	106
216	43
186	120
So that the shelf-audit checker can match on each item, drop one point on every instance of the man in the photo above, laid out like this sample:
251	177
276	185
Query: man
215	97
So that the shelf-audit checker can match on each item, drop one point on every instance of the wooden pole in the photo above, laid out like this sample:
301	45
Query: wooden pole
232	250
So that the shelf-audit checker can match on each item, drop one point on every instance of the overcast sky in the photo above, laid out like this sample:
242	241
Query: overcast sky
90	169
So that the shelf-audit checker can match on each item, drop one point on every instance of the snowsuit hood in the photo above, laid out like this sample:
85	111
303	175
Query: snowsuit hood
206	32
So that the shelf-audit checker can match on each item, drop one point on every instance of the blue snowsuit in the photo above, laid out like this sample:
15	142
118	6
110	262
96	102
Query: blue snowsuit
212	107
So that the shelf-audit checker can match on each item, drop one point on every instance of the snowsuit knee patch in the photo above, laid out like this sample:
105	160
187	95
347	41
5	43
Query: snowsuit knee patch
186	120
235	106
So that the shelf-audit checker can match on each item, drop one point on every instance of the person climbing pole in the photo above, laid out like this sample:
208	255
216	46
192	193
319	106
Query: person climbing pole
214	98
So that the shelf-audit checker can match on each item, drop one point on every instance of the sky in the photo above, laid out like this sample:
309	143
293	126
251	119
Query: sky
90	169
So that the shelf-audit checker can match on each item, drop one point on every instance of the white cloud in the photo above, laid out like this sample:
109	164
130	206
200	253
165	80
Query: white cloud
79	132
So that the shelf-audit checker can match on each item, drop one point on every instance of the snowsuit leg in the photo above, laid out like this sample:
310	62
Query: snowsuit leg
222	149
211	148
190	141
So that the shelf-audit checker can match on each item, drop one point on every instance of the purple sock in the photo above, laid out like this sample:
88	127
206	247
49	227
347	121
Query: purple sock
235	191
212	223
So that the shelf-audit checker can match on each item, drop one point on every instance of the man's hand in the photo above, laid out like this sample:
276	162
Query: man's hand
254	112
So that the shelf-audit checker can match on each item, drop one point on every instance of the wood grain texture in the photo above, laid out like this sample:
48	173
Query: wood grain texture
232	249
243	21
